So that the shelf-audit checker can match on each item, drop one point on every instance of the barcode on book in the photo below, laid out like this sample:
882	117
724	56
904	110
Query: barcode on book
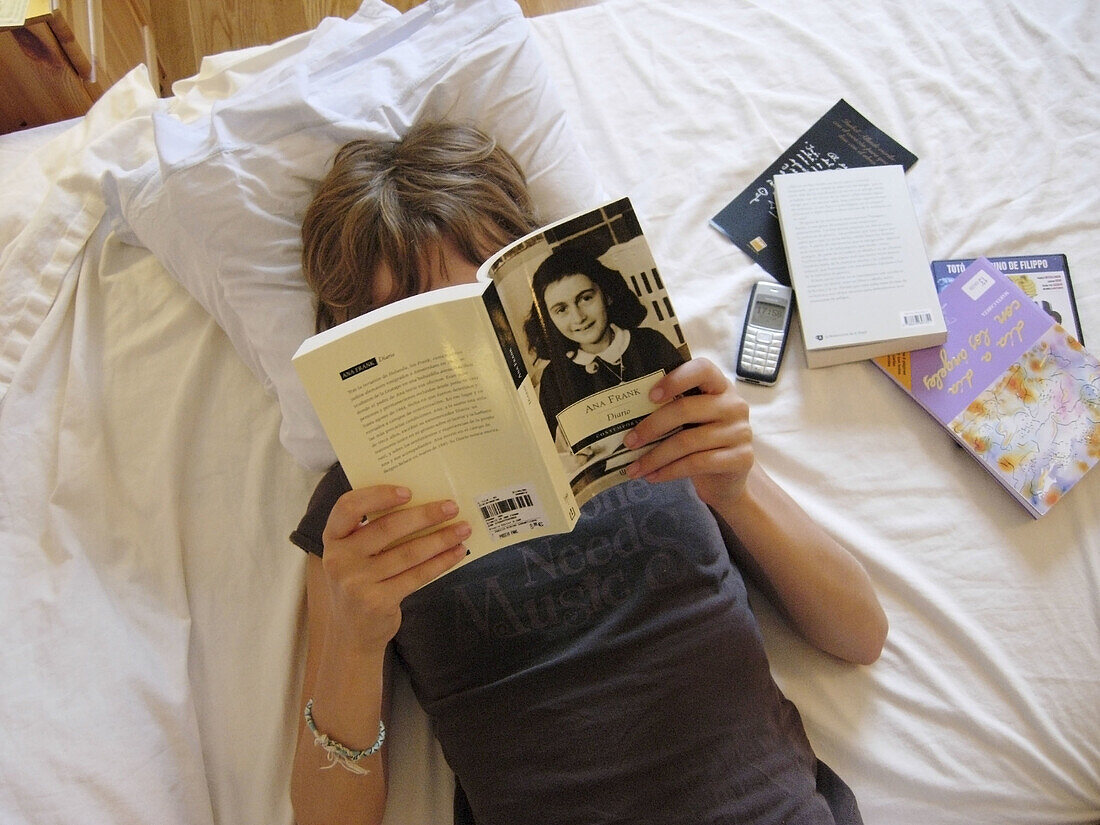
916	319
496	508
510	512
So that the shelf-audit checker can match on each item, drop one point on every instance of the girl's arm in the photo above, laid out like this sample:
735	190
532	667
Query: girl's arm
349	688
353	600
821	588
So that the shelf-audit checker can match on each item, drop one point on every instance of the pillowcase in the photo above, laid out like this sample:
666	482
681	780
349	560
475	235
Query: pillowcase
238	158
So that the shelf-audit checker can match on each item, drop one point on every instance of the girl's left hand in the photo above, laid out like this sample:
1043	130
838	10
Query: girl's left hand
714	444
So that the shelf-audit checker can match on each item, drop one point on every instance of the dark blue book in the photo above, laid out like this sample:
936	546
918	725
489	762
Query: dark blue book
842	138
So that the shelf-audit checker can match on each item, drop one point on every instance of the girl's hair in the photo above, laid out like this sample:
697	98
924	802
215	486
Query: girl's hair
394	202
623	306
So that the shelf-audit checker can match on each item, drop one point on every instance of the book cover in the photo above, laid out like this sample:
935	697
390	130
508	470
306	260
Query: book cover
1044	278
1011	385
510	395
842	138
857	264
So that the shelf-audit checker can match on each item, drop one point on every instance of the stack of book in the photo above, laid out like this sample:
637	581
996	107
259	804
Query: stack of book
990	347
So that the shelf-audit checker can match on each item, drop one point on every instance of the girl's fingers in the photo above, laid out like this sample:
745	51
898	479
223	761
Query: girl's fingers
409	555
351	508
734	461
712	448
415	577
378	564
710	431
691	411
687	411
398	526
371	534
698	373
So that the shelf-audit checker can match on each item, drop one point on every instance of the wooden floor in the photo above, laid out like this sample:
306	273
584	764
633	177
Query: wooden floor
186	30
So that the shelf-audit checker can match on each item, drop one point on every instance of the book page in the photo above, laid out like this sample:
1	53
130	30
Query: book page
13	12
436	400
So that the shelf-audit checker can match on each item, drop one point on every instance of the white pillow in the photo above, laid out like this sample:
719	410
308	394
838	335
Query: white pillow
225	74
222	204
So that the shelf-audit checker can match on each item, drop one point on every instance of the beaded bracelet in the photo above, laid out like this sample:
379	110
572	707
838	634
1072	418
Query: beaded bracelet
339	754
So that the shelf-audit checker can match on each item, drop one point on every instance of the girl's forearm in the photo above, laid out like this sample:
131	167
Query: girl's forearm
821	588
348	689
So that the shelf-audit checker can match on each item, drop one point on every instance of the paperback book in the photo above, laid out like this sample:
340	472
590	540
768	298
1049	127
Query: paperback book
1011	385
511	395
857	264
842	138
1044	278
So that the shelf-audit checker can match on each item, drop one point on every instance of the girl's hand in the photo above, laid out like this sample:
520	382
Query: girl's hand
375	556
714	446
822	589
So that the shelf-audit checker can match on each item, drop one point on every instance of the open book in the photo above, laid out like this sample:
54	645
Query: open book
511	395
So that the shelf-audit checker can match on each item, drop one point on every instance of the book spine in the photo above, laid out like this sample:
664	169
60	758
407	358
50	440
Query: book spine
509	346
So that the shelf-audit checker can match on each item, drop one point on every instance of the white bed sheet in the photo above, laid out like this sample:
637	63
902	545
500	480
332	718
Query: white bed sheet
985	706
151	605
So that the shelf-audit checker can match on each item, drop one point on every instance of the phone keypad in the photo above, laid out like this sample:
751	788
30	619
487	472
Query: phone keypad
760	350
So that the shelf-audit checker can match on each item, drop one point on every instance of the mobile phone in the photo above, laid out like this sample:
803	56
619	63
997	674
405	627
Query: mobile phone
764	336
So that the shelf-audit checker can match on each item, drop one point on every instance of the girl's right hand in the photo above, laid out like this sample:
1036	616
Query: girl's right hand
377	554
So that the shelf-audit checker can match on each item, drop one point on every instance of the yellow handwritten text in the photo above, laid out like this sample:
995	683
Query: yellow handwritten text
979	339
1016	334
936	379
1008	311
966	382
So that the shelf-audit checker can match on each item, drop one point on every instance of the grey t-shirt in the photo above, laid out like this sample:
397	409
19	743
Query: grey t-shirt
614	674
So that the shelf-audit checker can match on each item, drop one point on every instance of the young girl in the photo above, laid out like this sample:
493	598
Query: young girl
592	337
611	674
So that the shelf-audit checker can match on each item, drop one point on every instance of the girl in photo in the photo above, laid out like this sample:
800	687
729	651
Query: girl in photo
586	323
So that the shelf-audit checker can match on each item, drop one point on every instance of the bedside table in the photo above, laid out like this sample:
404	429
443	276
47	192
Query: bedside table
66	54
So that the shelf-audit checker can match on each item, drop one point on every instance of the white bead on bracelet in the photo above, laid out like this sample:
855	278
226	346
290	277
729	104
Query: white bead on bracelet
339	754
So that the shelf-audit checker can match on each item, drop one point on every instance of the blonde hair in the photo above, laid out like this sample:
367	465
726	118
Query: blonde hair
394	202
